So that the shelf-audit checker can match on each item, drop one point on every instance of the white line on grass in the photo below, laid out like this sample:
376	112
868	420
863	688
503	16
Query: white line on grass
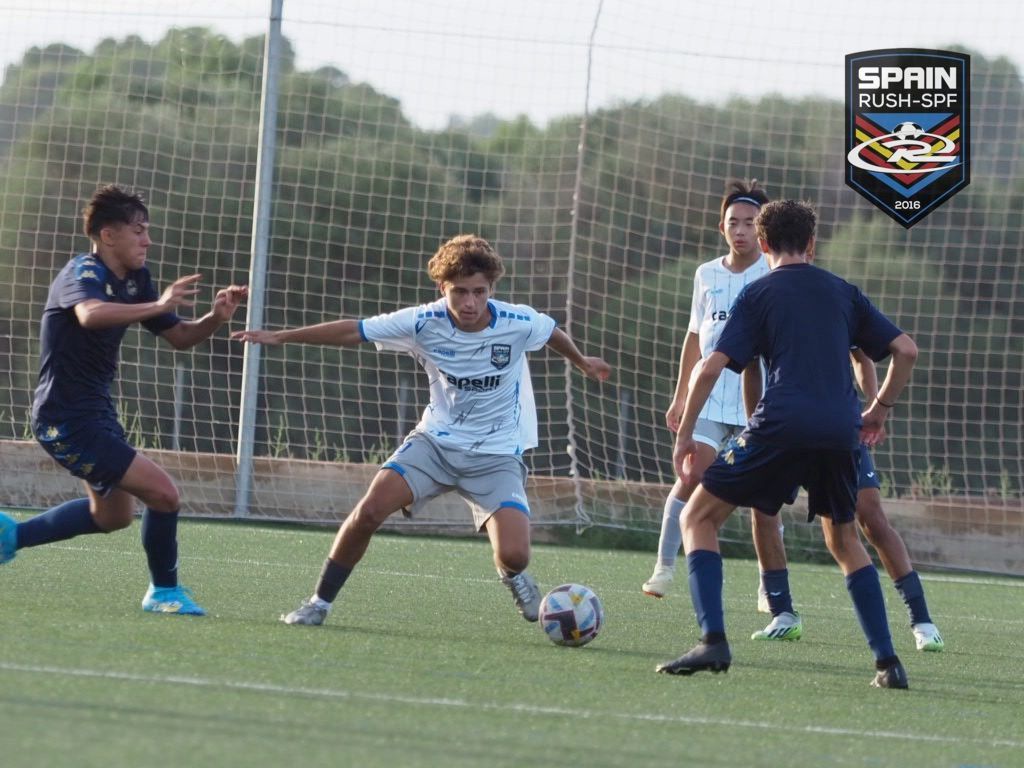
527	709
970	580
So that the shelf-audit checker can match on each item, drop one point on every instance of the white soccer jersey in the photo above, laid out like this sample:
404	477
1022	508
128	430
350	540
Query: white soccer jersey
714	291
481	398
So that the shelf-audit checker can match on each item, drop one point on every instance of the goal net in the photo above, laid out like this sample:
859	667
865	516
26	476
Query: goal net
591	143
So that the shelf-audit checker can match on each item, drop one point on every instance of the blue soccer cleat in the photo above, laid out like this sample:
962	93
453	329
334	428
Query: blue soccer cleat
171	600
8	538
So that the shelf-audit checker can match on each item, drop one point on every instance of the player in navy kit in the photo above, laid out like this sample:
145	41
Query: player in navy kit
479	421
716	284
93	300
806	430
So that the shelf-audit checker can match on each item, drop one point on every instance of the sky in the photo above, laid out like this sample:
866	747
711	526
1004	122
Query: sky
534	57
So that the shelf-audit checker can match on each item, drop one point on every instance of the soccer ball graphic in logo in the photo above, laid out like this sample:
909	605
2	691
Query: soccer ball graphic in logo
908	130
571	615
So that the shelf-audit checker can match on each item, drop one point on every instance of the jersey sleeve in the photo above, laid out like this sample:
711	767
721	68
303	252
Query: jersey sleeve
86	281
874	331
696	303
541	328
738	341
393	330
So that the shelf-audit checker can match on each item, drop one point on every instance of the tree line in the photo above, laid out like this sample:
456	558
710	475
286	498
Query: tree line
363	196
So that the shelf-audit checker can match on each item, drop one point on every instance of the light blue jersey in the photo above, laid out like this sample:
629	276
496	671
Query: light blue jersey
481	398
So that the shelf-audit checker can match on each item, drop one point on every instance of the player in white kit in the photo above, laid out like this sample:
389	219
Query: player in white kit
480	419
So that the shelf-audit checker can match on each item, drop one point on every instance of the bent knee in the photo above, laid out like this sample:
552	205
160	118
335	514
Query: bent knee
368	516
117	520
843	538
873	522
514	560
164	500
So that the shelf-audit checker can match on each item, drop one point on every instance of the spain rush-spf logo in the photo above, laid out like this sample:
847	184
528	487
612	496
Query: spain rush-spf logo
907	132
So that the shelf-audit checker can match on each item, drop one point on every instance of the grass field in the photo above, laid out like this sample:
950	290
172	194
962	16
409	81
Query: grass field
424	662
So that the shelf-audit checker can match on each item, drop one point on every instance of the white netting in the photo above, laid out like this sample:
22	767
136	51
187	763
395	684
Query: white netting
589	141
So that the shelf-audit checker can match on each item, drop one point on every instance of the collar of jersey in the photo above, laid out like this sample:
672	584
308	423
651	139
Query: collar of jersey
490	308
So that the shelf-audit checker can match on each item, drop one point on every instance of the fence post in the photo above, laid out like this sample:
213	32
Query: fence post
262	211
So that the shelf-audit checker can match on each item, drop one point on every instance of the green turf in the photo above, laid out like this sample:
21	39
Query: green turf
424	662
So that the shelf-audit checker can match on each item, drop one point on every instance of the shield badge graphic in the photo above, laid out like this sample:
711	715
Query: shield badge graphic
907	129
501	354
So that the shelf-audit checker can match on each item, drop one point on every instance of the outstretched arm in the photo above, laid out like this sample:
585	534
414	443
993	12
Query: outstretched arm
188	333
594	367
337	333
96	315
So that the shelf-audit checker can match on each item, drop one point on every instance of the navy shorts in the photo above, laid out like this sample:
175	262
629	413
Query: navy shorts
94	450
868	477
750	474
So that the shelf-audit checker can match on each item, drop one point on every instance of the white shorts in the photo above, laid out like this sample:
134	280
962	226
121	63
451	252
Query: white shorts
487	482
714	433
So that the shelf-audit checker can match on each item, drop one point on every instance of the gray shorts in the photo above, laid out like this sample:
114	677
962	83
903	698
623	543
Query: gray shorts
714	433
487	482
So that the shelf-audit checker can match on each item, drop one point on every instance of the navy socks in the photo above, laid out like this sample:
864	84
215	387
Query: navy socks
65	521
160	540
705	569
869	605
776	584
912	592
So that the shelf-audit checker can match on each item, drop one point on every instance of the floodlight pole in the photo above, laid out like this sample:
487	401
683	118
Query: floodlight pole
262	209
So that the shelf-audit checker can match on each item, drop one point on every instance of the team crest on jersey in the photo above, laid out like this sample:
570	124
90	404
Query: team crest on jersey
907	124
501	354
131	288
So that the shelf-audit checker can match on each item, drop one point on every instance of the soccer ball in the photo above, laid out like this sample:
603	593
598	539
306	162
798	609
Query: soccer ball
571	615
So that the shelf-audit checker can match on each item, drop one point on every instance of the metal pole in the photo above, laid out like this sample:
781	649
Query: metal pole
262	206
626	421
582	514
179	405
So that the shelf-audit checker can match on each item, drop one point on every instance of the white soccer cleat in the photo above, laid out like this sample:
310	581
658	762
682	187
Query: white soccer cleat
660	582
308	613
927	637
785	626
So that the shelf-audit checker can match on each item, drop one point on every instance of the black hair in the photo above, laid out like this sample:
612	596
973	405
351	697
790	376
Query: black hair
111	205
744	192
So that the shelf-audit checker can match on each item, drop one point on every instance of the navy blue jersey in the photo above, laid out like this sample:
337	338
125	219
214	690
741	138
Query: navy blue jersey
802	321
76	365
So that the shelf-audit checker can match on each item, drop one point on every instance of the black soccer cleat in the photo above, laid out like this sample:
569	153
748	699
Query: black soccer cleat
716	657
893	676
